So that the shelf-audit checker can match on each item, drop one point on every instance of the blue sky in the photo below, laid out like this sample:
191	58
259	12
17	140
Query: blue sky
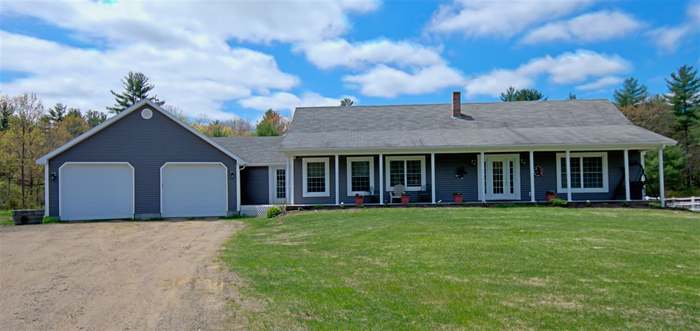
222	60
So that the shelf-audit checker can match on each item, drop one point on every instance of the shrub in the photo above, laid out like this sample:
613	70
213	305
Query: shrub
50	219
274	211
557	202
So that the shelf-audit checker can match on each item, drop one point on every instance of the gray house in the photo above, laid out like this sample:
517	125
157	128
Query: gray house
146	163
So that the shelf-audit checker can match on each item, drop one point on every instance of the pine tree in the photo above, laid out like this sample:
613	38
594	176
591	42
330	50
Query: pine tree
346	102
6	110
511	94
57	113
95	118
136	87
631	94
684	97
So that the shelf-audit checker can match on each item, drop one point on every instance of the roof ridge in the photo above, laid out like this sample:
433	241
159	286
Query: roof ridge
447	104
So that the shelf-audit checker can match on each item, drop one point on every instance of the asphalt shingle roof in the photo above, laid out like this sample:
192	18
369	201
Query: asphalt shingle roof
257	150
571	122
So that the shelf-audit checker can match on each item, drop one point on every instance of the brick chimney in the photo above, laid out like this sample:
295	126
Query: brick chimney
456	104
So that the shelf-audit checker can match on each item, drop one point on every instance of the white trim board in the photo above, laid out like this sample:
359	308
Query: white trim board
327	179
603	155
60	182
348	175
226	174
144	102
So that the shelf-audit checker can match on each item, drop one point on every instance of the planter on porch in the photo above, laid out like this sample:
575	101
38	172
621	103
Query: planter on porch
359	200
405	199
549	196
458	197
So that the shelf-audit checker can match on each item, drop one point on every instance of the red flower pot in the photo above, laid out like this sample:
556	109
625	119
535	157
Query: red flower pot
359	200
458	198
405	199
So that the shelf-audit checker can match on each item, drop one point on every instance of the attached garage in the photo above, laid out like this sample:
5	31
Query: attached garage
96	190
194	189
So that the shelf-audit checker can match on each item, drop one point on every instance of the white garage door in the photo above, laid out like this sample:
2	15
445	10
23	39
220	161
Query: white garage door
91	191
193	189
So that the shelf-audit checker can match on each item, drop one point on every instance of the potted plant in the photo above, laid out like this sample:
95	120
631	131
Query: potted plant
550	195
405	199
359	200
457	197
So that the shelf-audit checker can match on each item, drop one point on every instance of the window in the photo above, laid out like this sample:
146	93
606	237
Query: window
408	171
315	173
360	175
589	172
281	189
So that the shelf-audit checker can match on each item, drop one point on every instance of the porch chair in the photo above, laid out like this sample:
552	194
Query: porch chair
396	193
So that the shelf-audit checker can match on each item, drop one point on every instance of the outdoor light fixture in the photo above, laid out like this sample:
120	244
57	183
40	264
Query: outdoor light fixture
473	162
523	161
233	175
53	176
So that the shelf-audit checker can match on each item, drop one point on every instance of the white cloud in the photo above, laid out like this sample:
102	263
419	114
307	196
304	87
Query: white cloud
590	27
339	52
384	81
182	46
193	23
288	101
567	68
83	78
669	38
479	18
600	84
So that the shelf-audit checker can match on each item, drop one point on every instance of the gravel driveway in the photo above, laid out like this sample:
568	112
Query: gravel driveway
115	275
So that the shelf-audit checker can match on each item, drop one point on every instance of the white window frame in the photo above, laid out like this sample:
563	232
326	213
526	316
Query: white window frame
387	172
348	172
326	192
603	155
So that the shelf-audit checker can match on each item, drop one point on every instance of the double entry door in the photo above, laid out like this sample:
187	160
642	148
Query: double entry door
502	177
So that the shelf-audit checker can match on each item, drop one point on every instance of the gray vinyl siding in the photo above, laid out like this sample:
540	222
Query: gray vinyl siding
447	182
146	145
344	179
298	181
255	186
299	198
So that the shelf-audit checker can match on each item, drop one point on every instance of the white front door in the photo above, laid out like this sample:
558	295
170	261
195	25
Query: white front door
503	177
278	185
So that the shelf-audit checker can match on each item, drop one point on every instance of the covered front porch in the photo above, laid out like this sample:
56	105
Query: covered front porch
596	175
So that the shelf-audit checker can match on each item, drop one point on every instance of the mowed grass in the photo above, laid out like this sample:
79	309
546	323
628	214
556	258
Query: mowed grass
471	268
6	217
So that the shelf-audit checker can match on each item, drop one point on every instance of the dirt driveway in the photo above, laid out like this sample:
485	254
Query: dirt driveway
114	275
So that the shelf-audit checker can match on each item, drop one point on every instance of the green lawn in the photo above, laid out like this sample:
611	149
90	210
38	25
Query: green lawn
456	268
6	217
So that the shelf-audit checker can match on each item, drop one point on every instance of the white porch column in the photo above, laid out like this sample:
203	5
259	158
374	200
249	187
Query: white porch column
532	176
337	180
238	187
291	180
432	175
381	179
627	175
568	176
482	177
642	155
662	193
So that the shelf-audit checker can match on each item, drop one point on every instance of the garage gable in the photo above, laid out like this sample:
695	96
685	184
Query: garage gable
146	138
140	106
